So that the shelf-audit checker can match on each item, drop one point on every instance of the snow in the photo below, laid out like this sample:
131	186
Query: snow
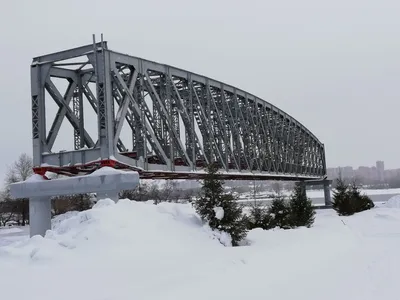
9	230
139	250
106	171
393	202
35	178
55	222
11	235
221	236
219	212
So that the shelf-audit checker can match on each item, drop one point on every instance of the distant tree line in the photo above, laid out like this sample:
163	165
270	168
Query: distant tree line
167	192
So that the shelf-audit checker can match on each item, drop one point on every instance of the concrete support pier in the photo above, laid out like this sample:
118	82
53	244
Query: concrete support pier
326	183
327	193
106	183
39	215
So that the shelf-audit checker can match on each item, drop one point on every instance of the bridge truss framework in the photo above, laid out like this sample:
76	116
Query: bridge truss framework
180	121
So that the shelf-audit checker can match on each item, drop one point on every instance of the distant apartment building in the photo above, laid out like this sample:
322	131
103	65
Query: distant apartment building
391	174
371	174
332	173
344	172
368	173
380	170
347	172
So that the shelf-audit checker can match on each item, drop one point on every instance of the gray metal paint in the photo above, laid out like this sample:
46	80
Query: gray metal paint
246	133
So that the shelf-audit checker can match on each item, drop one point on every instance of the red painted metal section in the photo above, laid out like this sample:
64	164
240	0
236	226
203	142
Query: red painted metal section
93	166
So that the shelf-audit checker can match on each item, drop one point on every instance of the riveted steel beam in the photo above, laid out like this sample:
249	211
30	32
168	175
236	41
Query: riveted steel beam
180	121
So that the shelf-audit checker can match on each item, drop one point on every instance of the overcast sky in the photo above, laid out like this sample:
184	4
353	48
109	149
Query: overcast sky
333	65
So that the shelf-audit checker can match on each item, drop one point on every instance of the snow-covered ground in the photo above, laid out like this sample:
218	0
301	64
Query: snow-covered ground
134	250
13	234
317	196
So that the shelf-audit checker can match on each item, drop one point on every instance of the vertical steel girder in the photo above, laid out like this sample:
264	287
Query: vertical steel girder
178	119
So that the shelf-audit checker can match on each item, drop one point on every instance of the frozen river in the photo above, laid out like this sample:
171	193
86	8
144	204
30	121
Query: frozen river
317	196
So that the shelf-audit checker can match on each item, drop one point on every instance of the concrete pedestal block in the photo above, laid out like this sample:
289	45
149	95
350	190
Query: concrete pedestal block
106	183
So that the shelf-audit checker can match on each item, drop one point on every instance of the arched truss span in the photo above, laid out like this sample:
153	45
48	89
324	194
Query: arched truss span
179	121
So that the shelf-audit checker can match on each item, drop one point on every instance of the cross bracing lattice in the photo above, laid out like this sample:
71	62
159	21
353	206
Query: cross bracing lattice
179	121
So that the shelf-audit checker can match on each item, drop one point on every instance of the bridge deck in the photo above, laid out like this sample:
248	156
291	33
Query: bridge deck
159	174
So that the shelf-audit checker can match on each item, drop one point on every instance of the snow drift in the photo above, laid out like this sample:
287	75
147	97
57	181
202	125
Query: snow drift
393	202
135	225
133	250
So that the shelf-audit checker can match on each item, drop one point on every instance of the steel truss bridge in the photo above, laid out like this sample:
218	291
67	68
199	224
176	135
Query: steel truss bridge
179	121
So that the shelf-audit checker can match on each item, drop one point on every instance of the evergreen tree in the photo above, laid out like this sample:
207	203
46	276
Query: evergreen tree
360	202
302	212
367	202
220	210
341	198
348	200
232	221
259	217
279	212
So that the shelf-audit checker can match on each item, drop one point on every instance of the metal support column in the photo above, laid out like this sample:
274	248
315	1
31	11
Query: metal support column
105	117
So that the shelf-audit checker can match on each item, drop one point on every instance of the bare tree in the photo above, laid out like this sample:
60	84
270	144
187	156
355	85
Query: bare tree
154	193
257	189
7	209
176	195
188	195
20	170
277	187
76	202
167	190
141	193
